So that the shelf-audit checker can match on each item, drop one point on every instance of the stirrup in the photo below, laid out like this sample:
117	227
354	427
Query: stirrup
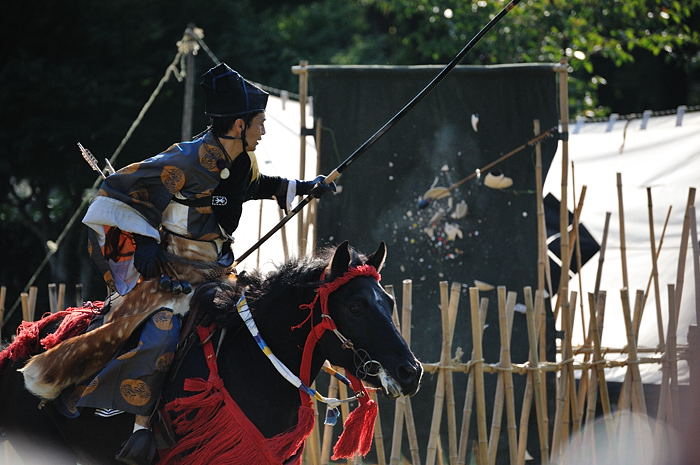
139	449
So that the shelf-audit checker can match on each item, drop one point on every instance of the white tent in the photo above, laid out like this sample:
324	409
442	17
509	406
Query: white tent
666	158
278	155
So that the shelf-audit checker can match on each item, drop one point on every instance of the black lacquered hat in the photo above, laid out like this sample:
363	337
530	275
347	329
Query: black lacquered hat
228	94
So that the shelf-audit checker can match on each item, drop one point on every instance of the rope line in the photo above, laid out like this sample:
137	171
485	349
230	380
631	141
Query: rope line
170	70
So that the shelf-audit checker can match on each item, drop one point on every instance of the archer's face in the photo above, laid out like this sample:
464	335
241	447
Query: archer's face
255	131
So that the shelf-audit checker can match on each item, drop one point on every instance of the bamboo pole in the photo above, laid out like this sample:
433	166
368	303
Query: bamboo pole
577	245
623	241
601	254
654	267
673	358
537	380
636	391
328	429
541	226
560	435
540	324
441	390
469	396
3	296
406	310
680	274
303	96
399	406
478	368
504	386
378	434
455	292
696	263
525	419
283	237
596	325
312	448
78	294
53	297
659	318
636	322
61	298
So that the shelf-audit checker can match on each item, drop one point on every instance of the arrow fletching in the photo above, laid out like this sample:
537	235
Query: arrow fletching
91	160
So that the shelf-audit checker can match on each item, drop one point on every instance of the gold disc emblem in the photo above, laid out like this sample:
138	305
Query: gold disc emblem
135	392
164	361
163	320
173	178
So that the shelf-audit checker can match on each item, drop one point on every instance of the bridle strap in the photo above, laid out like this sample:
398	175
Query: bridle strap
322	295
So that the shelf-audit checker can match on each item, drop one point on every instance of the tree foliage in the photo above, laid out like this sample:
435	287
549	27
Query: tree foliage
81	70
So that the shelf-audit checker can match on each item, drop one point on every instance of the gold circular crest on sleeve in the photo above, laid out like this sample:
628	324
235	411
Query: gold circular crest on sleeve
173	178
164	361
207	157
135	392
163	320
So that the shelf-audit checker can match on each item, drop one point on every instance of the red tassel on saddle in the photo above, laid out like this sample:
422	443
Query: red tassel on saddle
27	343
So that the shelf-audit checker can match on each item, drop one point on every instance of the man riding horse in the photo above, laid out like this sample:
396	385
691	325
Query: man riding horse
157	228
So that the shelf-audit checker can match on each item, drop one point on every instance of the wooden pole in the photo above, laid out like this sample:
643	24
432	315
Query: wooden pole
53	297
378	435
285	243
680	275
328	429
478	375
541	227
536	375
654	267
190	45
441	391
303	98
3	296
399	405
673	357
61	298
469	396
406	310
601	254
78	294
504	387
636	391
455	292
313	442
696	263
623	246
577	243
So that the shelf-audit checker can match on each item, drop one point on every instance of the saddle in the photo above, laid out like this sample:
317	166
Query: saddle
77	359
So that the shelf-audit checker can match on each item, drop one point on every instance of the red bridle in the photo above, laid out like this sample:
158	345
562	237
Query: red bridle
359	426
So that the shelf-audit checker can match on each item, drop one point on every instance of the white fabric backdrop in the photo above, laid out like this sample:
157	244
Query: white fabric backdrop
667	159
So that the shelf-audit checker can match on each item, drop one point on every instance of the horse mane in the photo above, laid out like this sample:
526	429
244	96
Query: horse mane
294	274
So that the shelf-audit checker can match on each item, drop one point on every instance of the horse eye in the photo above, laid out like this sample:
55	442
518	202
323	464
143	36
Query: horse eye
355	307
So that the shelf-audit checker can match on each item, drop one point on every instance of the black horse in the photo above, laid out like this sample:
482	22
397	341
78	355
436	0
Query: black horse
360	308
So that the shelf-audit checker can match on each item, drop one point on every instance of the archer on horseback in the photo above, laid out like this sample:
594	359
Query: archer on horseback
154	227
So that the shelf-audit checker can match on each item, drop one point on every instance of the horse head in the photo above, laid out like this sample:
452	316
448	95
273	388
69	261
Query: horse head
368	344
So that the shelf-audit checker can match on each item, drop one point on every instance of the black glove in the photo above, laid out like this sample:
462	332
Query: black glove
147	259
316	188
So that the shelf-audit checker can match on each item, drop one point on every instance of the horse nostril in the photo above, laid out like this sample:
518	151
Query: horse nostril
408	374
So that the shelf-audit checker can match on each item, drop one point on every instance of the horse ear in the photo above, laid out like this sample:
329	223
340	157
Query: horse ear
341	260
378	257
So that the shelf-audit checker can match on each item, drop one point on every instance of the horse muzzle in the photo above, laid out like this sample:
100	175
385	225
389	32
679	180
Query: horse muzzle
406	382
